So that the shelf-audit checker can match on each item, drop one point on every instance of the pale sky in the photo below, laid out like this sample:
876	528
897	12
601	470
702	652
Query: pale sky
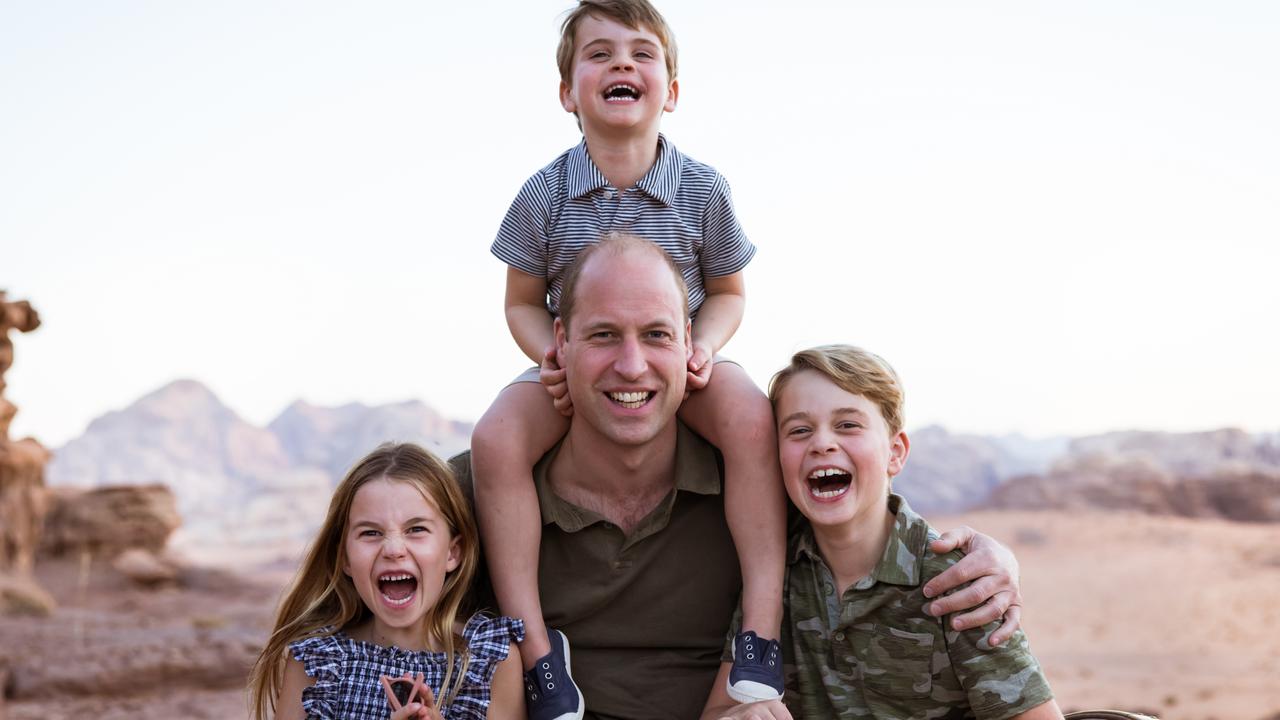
1050	217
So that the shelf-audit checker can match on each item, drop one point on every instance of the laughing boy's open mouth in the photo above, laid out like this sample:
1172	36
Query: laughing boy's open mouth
621	92
828	483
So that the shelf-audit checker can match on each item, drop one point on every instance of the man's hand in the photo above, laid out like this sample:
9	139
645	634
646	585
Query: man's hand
553	379
994	592
700	364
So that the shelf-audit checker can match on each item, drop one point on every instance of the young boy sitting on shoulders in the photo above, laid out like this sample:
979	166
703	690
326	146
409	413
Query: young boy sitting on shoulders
617	61
860	640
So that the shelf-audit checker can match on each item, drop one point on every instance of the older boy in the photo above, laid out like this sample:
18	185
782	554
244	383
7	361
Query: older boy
617	62
860	640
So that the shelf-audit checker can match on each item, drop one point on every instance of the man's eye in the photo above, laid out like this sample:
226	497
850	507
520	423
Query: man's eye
659	334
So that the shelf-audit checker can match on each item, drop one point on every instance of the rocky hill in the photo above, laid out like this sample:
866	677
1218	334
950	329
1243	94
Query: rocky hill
239	486
948	472
1217	474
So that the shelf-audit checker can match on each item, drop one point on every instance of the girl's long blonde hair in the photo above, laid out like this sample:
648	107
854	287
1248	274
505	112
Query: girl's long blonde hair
322	596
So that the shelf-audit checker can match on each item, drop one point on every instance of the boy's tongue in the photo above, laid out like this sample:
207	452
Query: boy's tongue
398	589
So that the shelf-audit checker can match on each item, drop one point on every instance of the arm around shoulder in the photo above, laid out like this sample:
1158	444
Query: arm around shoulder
507	691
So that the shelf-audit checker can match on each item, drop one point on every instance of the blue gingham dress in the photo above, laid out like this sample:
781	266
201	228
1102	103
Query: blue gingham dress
347	671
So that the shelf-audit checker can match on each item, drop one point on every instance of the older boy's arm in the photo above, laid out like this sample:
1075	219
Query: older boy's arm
722	707
994	593
718	319
1043	711
527	316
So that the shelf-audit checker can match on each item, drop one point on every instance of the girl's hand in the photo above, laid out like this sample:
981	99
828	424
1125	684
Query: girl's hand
700	364
552	377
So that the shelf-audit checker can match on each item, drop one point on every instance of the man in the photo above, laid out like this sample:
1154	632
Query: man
637	566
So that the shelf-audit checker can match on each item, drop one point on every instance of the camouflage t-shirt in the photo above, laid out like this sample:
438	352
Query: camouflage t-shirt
875	653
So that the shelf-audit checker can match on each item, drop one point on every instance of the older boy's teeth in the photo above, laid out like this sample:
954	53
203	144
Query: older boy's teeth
630	400
823	494
825	472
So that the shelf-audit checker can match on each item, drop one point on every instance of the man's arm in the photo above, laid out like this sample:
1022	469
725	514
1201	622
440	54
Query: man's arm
722	707
995	592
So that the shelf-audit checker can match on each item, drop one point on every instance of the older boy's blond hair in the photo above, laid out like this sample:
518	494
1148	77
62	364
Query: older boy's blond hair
635	14
853	370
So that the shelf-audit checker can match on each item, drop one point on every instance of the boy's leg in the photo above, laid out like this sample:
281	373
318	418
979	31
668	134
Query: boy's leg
735	416
515	432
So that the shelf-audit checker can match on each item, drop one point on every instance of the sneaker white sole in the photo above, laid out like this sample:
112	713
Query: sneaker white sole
568	668
746	691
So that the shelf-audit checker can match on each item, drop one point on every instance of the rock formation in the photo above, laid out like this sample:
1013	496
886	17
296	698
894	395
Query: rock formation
22	491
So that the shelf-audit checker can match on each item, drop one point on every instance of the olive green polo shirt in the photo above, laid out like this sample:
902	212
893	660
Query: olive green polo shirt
645	613
873	652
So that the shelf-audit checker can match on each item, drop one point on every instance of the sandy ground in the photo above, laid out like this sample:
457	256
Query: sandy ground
1169	616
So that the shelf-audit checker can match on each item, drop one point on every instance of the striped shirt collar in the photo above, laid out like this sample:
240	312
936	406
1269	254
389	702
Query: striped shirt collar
900	564
660	182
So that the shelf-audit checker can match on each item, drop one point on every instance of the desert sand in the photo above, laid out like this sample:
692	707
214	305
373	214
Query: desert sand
1165	615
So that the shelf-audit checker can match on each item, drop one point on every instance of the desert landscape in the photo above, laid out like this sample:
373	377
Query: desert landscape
140	563
1170	616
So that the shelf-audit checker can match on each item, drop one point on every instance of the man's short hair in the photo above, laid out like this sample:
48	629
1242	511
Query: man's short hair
616	243
853	370
635	14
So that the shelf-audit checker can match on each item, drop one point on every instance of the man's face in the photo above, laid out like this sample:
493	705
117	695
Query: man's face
619	80
626	354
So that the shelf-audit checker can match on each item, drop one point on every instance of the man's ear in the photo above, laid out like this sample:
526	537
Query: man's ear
899	448
688	340
566	98
673	94
561	334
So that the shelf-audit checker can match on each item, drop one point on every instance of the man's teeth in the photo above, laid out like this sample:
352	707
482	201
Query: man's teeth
630	400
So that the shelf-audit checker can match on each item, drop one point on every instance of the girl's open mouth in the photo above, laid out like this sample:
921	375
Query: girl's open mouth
397	589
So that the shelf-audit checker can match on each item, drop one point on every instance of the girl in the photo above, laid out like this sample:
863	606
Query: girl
377	600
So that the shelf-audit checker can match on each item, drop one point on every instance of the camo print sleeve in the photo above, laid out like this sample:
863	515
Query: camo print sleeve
1000	682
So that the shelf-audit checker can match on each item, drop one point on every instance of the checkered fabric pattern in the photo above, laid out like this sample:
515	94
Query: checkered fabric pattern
347	671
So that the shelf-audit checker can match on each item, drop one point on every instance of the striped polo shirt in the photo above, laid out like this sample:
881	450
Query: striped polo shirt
681	204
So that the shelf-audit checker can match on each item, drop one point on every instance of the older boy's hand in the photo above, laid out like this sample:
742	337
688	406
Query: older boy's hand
700	364
764	710
994	592
553	379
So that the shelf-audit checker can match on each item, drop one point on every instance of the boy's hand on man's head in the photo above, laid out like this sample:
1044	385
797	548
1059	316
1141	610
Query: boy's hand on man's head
553	379
994	592
700	364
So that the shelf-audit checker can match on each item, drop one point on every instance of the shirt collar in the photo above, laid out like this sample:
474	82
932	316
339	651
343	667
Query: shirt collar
693	457
901	562
660	183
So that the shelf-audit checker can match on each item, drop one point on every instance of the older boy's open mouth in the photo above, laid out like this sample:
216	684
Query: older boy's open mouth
829	483
621	93
631	400
397	588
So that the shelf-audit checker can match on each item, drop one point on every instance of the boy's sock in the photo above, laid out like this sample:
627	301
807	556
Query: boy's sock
549	687
757	669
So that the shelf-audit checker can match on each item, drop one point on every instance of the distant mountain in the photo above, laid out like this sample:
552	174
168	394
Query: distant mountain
237	484
334	438
1223	473
948	472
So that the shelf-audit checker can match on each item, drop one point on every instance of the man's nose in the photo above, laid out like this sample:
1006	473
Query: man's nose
630	362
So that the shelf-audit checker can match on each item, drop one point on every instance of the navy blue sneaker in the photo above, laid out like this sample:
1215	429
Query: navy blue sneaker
757	669
549	687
